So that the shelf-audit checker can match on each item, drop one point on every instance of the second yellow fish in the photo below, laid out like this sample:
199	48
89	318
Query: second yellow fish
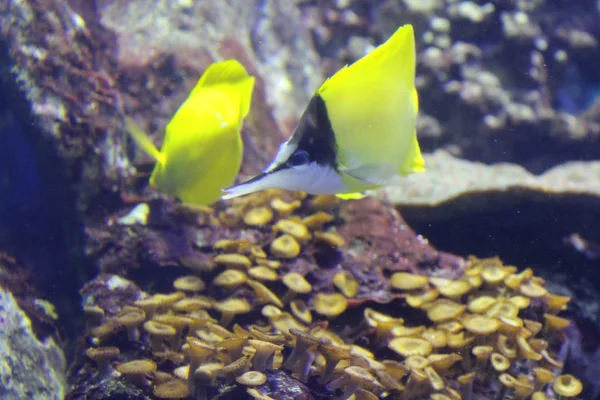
202	148
357	133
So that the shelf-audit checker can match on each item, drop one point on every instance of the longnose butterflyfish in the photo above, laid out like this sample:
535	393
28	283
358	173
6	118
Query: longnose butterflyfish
202	148
358	131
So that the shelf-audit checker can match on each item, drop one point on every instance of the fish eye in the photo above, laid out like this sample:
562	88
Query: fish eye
300	157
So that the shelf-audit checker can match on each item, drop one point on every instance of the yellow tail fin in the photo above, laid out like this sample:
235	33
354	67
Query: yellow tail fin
142	140
401	46
399	49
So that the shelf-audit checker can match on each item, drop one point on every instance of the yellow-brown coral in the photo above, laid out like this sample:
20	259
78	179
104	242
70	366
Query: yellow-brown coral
285	246
471	331
330	305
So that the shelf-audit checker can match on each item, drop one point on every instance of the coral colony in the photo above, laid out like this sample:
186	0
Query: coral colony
246	319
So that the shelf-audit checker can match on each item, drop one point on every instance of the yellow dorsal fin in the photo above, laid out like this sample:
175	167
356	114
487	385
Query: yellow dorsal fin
403	44
400	46
143	141
228	72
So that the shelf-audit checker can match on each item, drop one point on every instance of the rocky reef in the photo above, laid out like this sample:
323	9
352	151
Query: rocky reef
280	294
33	362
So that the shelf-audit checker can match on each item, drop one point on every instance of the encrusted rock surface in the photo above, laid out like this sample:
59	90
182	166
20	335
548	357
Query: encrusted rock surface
450	180
379	243
59	76
30	368
275	43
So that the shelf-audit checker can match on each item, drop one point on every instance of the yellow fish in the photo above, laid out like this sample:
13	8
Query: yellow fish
202	148
358	131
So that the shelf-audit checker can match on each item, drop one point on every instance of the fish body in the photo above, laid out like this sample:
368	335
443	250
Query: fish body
358	131
202	149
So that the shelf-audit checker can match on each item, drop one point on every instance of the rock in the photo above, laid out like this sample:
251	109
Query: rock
270	33
108	389
61	78
279	385
30	335
110	292
379	243
491	208
30	368
57	106
452	185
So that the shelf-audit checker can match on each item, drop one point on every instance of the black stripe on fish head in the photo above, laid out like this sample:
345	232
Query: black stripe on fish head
313	140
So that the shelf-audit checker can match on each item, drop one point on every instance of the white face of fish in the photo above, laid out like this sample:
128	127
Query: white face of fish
284	152
291	170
